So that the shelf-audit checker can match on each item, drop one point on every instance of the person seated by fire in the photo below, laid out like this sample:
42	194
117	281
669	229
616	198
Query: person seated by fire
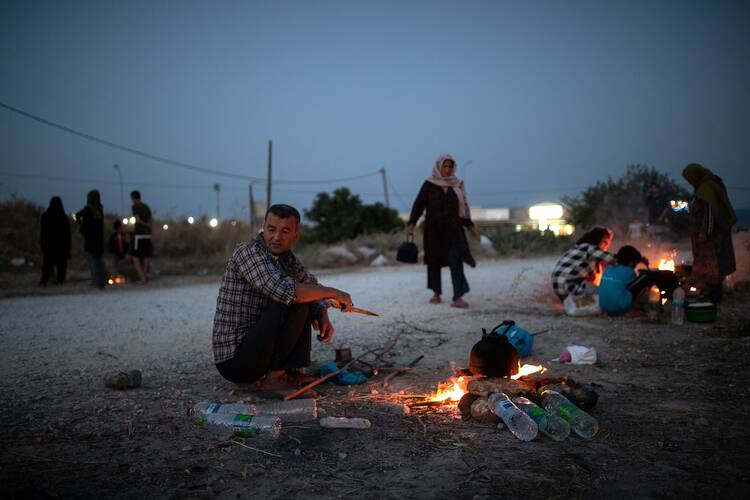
711	219
575	274
620	286
119	247
266	306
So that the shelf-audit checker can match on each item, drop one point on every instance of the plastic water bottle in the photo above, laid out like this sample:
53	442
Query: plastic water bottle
551	425
294	411
678	306
654	303
520	424
241	425
581	422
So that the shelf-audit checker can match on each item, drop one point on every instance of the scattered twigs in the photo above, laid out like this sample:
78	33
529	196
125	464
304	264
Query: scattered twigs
106	354
419	404
256	449
406	368
379	350
540	332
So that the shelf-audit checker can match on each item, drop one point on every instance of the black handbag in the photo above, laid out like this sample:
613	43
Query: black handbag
408	252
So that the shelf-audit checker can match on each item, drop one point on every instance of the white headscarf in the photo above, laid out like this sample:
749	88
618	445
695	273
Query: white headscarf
451	182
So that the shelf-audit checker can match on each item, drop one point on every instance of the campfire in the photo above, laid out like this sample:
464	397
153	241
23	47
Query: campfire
455	387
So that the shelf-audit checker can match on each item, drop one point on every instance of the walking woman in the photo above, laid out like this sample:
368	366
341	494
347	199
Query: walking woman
711	221
443	199
91	221
54	238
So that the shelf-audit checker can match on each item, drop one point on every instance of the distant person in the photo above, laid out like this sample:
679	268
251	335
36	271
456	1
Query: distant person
443	200
91	223
54	238
657	205
574	274
711	219
266	306
119	247
142	249
620	285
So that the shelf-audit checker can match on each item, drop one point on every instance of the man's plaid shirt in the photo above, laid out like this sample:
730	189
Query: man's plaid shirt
253	278
571	271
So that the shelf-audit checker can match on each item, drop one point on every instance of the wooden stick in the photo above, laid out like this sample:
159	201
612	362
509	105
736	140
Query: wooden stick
256	449
430	403
408	367
539	332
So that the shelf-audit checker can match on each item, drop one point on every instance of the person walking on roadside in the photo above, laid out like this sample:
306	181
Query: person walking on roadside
443	200
142	249
91	223
711	219
54	238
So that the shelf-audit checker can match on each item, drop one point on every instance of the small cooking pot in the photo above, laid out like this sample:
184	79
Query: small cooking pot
665	280
494	355
701	312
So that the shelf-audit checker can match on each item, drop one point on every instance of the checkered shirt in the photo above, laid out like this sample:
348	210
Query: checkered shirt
252	279
571	271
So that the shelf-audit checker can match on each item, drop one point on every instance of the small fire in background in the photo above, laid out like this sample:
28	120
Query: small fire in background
453	389
667	263
116	279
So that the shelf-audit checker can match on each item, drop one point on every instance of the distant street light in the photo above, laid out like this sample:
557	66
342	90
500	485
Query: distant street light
213	222
190	219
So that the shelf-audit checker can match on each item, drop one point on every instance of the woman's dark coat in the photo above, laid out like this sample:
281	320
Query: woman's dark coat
92	229
54	235
443	228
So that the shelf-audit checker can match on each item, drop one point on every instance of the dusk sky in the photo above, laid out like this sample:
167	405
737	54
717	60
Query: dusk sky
534	99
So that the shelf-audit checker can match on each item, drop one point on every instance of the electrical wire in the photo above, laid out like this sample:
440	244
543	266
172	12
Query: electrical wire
168	161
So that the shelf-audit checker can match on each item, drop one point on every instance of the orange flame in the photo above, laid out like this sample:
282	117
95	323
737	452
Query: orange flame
455	387
666	265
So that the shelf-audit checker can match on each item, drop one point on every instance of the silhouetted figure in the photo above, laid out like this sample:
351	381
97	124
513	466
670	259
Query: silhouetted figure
120	248
443	198
711	219
91	222
54	238
657	204
142	249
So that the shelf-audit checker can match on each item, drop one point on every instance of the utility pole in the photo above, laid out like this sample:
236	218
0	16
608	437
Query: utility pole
122	196
218	211
251	202
385	187
270	161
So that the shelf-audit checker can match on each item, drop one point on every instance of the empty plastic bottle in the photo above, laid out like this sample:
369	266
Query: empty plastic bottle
520	424
678	306
294	411
581	422
551	425
228	425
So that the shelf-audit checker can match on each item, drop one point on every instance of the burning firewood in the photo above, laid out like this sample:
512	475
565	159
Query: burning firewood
483	386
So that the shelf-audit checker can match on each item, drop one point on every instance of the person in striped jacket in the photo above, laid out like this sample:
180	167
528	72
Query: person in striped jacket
574	274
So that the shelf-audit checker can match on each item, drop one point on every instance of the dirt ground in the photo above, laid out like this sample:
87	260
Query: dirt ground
673	406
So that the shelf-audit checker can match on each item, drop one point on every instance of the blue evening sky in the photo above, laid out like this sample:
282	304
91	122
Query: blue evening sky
540	98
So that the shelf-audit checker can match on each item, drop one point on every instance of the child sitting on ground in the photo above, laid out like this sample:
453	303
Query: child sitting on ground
573	276
620	284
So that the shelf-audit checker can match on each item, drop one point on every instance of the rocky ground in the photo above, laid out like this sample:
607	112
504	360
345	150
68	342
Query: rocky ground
673	400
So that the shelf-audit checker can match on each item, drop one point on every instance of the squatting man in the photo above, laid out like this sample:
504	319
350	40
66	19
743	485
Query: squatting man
266	307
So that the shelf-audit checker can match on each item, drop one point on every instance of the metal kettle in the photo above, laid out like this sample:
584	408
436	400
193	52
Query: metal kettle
494	355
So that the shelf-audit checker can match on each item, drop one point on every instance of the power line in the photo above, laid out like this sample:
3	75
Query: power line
127	149
168	161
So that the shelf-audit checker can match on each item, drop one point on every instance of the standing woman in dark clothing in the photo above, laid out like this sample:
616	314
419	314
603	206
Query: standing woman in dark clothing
91	222
443	198
711	221
54	238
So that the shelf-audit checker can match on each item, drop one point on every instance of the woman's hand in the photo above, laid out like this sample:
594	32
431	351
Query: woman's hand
410	230
474	232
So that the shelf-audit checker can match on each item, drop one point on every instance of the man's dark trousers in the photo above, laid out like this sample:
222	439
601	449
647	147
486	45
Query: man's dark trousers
280	340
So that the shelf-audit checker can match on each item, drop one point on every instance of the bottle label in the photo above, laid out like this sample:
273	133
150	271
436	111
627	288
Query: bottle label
213	408
536	412
240	417
505	404
566	411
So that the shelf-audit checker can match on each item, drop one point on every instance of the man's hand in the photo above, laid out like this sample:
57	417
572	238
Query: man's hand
474	232
344	298
324	326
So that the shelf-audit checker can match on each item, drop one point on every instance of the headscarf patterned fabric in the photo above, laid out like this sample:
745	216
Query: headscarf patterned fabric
450	182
